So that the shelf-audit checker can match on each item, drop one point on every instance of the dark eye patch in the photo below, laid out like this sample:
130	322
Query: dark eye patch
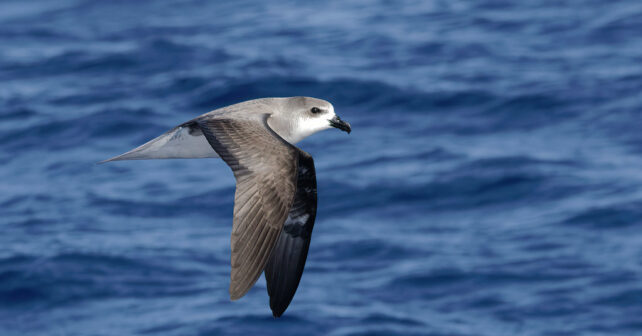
315	110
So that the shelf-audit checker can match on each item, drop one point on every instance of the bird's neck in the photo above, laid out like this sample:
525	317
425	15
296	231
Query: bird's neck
284	128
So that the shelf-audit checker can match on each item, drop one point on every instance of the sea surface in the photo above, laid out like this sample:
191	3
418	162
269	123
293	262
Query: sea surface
492	184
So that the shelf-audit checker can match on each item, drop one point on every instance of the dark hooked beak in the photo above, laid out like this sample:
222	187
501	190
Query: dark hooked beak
340	124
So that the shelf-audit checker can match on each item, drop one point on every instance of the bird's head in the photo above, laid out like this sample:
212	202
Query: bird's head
306	116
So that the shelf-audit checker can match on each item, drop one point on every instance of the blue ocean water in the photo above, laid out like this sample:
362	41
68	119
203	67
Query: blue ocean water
492	184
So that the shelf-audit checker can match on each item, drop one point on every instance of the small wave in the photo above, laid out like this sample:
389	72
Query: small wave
609	217
68	278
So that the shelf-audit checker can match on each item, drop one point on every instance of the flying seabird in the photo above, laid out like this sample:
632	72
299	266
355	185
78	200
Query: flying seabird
276	194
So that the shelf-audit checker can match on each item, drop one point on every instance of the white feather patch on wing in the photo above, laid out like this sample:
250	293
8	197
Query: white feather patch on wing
178	143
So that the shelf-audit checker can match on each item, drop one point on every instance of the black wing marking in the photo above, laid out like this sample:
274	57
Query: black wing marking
285	266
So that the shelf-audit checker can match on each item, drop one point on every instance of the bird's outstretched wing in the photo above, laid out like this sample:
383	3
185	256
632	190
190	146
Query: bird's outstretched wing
265	168
285	266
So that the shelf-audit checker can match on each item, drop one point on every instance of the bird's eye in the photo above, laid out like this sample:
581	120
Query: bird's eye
315	110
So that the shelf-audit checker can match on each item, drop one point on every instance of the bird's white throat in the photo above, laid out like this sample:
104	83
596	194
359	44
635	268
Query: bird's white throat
295	130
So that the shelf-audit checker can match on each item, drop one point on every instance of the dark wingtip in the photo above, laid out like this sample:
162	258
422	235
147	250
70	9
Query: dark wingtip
278	311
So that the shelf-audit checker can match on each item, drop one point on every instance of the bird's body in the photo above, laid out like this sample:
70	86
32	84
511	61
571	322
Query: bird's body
275	199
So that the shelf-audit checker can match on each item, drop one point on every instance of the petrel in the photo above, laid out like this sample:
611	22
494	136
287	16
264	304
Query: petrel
276	193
